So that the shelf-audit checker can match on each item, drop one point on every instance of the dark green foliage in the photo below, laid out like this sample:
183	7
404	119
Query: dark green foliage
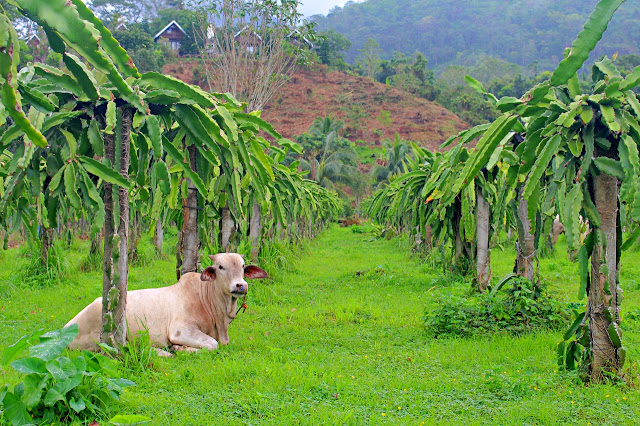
395	154
626	63
139	43
57	387
409	73
331	48
514	86
330	159
522	308
573	351
449	31
455	94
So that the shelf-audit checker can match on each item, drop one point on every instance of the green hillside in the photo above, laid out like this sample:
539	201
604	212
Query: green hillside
525	32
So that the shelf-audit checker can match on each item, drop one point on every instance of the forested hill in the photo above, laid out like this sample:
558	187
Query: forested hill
460	31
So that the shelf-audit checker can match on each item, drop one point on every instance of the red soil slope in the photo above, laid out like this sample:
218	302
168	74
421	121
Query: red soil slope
319	92
310	94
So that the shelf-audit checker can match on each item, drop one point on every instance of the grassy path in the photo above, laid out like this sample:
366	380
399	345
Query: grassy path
340	341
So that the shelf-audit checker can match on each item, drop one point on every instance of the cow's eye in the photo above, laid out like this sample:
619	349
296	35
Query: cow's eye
221	268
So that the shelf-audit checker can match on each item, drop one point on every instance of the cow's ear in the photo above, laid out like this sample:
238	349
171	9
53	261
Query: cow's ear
253	272
208	274
213	257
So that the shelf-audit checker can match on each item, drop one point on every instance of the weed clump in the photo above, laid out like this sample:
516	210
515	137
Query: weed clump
38	272
92	262
137	355
279	256
366	228
523	307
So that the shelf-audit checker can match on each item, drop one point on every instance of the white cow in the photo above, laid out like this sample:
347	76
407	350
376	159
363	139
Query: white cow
192	314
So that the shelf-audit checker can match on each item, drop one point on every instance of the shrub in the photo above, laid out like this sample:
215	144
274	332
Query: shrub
137	355
365	228
38	273
278	256
57	387
199	75
448	279
145	253
92	262
523	307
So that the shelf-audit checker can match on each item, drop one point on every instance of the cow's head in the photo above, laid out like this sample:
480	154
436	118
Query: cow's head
229	271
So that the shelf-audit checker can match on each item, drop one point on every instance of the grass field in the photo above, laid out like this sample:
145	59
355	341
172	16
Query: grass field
340	340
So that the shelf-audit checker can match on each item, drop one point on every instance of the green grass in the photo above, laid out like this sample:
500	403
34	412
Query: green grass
340	341
368	154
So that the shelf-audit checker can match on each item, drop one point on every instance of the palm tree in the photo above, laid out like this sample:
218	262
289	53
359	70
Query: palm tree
340	167
395	154
316	141
330	159
324	126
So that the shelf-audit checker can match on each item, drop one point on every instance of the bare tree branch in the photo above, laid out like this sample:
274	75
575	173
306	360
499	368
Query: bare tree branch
249	48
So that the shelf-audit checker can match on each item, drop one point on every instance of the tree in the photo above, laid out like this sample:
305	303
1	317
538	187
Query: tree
114	12
457	33
331	48
369	58
249	48
329	158
627	63
408	73
119	11
395	154
82	36
147	55
420	71
315	142
455	95
339	168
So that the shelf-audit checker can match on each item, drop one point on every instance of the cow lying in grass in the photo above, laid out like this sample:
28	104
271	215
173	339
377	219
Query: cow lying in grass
192	314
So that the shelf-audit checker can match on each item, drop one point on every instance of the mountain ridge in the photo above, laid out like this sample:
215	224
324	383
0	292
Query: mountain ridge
524	32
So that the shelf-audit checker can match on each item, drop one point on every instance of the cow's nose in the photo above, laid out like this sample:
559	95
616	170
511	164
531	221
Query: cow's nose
240	287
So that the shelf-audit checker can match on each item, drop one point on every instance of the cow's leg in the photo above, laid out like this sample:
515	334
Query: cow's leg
162	353
192	338
183	348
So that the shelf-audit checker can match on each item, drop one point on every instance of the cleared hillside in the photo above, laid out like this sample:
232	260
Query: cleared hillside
362	104
372	111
